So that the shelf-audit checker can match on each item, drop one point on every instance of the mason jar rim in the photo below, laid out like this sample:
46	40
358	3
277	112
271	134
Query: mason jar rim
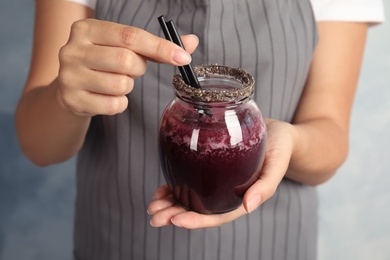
235	76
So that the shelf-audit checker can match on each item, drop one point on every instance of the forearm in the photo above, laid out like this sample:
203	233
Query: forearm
320	147
47	132
321	122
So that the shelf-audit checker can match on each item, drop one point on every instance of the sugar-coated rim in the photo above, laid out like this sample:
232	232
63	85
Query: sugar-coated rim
216	95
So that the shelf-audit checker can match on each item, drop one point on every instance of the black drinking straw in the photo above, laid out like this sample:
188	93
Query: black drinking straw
171	34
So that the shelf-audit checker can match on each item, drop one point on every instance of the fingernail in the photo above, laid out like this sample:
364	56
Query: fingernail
196	37
153	225
176	224
253	202
180	56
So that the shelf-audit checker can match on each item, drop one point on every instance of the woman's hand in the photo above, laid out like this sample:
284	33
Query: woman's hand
100	61
281	137
81	67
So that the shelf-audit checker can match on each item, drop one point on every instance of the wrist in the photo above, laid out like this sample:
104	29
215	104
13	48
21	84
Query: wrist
297	144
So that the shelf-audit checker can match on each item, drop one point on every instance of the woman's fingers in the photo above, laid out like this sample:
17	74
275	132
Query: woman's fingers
162	192
161	204
190	42
106	83
88	92
163	217
178	216
87	103
165	211
101	59
193	220
163	207
115	60
135	39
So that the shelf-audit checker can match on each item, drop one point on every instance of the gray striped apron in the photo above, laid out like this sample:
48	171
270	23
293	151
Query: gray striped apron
118	168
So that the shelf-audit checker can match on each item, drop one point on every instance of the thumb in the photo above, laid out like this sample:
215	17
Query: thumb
190	42
264	188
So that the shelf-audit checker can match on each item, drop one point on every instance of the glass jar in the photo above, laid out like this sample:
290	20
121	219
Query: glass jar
212	140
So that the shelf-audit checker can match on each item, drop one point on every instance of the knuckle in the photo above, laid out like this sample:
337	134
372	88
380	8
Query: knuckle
112	106
121	84
116	105
130	86
129	36
80	26
125	60
65	54
70	54
130	64
141	69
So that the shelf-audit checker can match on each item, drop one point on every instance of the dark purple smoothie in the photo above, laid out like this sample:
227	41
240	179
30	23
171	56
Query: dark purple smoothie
210	161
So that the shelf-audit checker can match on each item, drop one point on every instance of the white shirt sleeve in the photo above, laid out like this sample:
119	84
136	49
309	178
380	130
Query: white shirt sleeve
371	11
89	3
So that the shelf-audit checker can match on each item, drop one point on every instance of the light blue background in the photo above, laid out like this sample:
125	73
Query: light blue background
36	204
